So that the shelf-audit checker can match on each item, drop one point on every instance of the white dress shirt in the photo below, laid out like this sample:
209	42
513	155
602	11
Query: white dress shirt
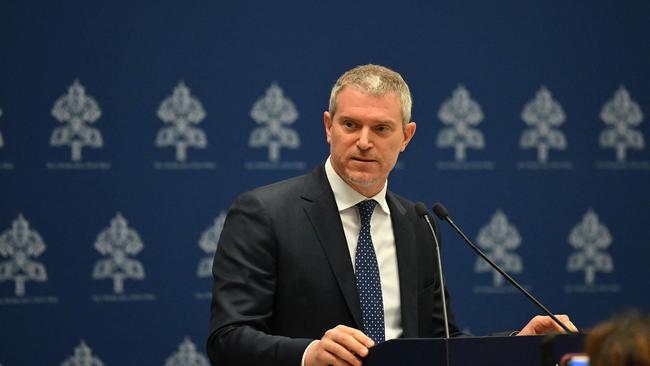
383	240
381	231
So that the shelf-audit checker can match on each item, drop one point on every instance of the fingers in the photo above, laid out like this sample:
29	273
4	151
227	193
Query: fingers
530	328
352	337
551	325
339	346
564	319
319	356
545	324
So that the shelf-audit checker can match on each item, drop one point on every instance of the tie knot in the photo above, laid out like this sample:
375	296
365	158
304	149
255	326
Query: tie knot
365	209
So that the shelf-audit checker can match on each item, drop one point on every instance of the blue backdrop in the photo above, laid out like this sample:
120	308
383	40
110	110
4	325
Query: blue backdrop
127	129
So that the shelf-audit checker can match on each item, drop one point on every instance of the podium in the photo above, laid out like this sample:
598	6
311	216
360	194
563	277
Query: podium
543	350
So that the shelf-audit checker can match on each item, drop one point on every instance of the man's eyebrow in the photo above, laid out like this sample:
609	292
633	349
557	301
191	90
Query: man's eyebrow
347	118
379	121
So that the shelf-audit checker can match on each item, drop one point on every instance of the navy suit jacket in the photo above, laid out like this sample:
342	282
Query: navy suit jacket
283	274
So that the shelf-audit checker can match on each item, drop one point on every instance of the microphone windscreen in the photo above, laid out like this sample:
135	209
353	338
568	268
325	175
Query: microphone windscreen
421	209
440	210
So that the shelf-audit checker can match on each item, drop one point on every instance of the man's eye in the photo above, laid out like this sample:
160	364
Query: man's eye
381	128
348	124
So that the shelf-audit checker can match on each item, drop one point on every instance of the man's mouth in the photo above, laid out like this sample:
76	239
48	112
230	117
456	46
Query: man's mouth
363	160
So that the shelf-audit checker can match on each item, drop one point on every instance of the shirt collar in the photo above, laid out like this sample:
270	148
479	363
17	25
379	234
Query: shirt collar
346	196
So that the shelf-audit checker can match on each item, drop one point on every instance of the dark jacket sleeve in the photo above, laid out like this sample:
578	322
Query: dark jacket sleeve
244	271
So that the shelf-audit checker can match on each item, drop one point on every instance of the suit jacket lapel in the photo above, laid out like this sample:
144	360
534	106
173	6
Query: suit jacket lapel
406	250
324	217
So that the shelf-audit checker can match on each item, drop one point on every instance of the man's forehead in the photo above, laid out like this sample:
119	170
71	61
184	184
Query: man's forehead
376	93
342	111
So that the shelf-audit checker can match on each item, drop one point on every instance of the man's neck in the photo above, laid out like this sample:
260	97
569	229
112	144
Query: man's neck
345	194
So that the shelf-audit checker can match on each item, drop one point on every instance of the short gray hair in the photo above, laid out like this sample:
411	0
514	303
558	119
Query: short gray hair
375	80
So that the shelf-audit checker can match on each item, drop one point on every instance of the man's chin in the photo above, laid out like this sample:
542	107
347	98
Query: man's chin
362	181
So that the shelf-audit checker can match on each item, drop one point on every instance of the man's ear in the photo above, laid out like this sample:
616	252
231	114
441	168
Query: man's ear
409	132
327	121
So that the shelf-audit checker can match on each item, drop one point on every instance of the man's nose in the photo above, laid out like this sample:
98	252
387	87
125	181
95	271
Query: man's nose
364	141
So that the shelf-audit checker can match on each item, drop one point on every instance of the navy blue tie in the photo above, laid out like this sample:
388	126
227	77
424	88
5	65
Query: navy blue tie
367	275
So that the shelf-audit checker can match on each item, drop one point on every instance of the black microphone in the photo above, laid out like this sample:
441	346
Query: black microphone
442	213
422	211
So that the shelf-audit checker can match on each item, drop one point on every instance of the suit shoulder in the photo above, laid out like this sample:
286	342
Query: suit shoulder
309	185
401	203
279	189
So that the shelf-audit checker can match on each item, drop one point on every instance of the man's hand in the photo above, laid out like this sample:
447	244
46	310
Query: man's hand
544	324
339	346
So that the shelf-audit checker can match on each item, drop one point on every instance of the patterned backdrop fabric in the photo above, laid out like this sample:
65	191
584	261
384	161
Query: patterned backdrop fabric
127	129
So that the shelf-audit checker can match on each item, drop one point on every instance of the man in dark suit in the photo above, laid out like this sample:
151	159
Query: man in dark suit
316	269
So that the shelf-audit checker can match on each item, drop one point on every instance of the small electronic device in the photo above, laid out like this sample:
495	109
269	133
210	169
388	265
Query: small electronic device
574	359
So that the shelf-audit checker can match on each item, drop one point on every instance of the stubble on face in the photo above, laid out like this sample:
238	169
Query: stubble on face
360	182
